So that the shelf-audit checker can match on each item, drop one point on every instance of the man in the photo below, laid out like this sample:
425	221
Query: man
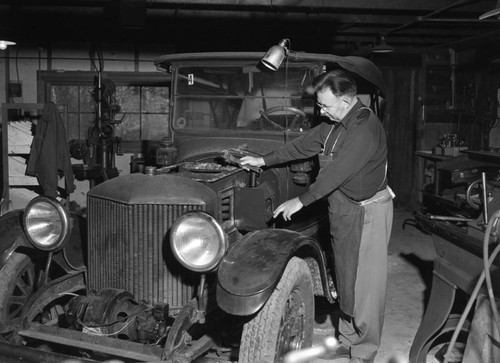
352	152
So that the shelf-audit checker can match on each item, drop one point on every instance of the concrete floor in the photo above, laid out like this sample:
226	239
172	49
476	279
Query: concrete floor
411	256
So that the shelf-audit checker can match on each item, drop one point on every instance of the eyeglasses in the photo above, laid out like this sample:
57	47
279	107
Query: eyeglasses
324	107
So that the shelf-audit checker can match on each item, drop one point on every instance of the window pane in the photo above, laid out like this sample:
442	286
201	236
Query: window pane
154	127
129	128
65	95
72	127
155	99
128	98
211	97
86	121
143	109
87	102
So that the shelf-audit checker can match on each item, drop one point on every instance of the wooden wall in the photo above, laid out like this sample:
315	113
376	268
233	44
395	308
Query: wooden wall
415	120
399	122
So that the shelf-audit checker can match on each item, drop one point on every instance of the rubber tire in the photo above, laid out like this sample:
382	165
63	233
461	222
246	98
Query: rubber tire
260	336
17	283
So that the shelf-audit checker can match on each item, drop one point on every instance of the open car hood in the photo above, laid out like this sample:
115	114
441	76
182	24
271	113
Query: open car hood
363	67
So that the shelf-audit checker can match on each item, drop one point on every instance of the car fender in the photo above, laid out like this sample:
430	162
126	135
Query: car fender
253	267
11	235
13	238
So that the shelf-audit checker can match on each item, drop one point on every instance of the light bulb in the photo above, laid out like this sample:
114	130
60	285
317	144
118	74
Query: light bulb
5	43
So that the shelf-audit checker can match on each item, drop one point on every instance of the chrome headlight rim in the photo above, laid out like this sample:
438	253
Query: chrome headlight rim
64	219
221	236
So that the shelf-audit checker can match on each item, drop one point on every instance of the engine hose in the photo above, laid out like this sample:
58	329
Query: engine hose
494	219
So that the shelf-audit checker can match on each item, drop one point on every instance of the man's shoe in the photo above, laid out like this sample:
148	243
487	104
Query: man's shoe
361	360
341	351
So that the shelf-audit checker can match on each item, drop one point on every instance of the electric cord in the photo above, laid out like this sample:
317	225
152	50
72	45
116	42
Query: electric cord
119	320
489	286
97	330
285	131
477	287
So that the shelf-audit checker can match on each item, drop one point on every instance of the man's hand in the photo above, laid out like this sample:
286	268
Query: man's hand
252	161
288	208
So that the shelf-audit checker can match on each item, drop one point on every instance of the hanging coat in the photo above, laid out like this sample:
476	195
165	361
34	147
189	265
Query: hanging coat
49	155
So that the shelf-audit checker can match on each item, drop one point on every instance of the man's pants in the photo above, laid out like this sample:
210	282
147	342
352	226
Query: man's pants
363	332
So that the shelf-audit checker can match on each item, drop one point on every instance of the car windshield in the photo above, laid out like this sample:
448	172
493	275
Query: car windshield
244	97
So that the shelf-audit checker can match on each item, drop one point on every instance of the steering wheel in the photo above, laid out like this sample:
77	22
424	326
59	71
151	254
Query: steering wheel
474	193
298	114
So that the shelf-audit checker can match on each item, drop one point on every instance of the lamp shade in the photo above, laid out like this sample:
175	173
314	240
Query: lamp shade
275	55
383	47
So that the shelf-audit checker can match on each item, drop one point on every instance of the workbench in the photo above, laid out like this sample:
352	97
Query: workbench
457	266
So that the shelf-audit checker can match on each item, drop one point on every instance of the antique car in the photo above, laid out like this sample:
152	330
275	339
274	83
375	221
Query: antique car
185	262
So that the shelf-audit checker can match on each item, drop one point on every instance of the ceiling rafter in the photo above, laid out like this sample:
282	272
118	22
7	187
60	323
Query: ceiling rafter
407	24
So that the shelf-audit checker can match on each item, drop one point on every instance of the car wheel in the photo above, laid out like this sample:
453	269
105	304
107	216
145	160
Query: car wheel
17	283
285	323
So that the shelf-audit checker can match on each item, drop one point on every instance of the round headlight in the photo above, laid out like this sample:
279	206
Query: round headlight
198	241
46	223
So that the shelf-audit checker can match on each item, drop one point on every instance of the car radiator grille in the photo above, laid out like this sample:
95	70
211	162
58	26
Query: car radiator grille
129	249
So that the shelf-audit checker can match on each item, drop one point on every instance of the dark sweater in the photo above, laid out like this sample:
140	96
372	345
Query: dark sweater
49	155
358	165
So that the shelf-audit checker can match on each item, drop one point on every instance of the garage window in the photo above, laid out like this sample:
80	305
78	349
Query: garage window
137	105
